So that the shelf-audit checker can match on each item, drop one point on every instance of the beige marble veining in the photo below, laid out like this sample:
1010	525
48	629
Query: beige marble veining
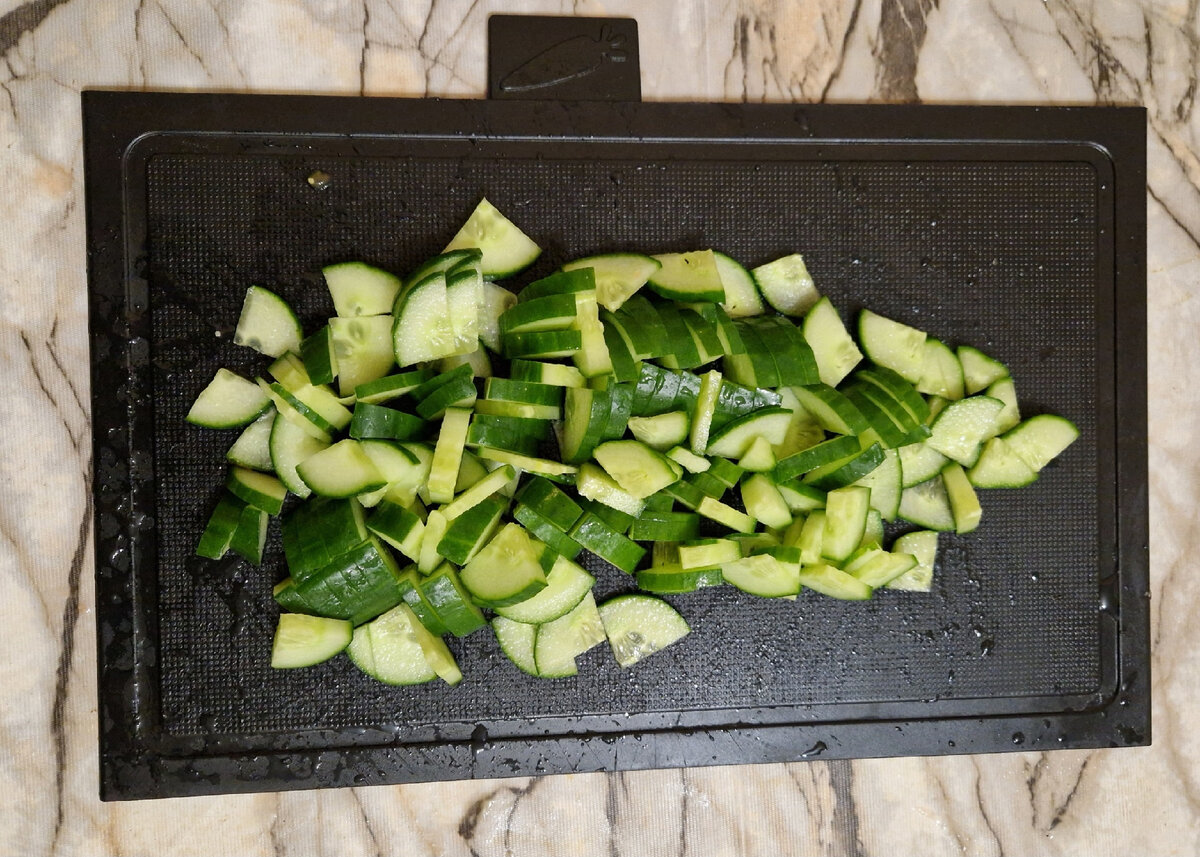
1142	801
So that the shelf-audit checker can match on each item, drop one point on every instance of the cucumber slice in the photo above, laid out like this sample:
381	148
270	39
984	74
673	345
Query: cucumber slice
478	360
541	344
672	579
793	358
1004	391
759	458
801	498
889	343
922	545
927	505
377	421
941	372
846	471
637	626
1041	439
228	401
964	504
392	386
763	575
506	571
786	285
886	483
387	649
422	330
516	640
563	639
362	348
960	429
444	263
404	466
764	502
496	301
639	470
360	289
685	458
303	641
585	415
320	363
469	532
979	370
618	276
834	583
708	553
876	567
252	449
545	467
566	586
741	292
733	440
594	484
480	491
919	462
999	467
464	295
267	324
804	432
289	370
688	277
551	502
832	450
916	408
810	538
260	490
730	517
592	357
873	532
845	520
291	444
342	470
429	558
833	348
665	526
506	249
409	584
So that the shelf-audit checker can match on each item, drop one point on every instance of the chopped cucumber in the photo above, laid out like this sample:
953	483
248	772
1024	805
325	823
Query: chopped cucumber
786	285
228	401
506	249
302	641
637	626
267	324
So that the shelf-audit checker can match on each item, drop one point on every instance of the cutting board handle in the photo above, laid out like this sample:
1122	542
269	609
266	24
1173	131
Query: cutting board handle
563	58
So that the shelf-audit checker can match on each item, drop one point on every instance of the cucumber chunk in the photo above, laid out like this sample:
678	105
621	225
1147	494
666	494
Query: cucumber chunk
833	348
637	626
252	449
688	277
342	470
506	571
388	650
267	324
360	289
506	249
891	344
362	348
566	585
786	285
228	401
922	545
742	297
618	276
1041	439
302	641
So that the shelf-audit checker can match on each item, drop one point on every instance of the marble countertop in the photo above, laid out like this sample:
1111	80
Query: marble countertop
1144	801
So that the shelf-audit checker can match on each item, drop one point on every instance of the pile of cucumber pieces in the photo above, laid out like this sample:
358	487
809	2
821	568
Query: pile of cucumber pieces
612	431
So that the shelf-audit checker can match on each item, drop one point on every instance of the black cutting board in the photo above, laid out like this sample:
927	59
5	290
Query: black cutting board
1018	230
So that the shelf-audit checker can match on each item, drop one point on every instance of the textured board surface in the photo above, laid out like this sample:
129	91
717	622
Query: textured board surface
990	243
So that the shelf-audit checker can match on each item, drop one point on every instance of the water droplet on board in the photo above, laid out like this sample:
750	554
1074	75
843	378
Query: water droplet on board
1018	738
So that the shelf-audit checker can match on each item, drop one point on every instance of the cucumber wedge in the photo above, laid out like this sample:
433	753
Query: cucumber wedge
360	289
786	285
637	626
506	249
688	277
267	324
618	275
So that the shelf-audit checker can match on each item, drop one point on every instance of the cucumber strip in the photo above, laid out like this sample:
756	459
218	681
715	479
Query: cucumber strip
544	531
391	386
835	449
662	431
706	405
786	285
541	344
800	497
404	466
964	504
672	579
449	599
873	532
551	502
886	483
377	421
506	249
1004	391
478	360
464	295
320	363
637	626
618	276
596	535
889	343
360	289
682	456
398	526
688	277
252	449
585	414
362	350
516	640
846	471
218	533
481	490
919	462
342	470
922	545
228	401
1041	439
708	553
555	374
289	370
833	348
506	571
447	455
444	263
267	324
260	490
566	586
728	516
595	484
546	467
810	538
303	641
897	388
551	312
496	301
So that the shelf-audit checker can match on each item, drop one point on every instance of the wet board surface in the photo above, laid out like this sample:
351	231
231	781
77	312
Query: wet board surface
1027	245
